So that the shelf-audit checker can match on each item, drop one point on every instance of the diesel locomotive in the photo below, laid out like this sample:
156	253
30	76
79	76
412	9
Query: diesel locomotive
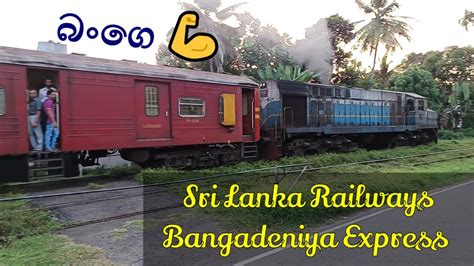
299	118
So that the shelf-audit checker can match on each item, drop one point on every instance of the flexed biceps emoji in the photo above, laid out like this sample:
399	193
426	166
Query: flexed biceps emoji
198	47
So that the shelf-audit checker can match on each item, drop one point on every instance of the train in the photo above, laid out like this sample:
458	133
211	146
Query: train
302	118
164	116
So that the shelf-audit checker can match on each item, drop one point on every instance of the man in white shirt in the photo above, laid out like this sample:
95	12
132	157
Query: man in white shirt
48	86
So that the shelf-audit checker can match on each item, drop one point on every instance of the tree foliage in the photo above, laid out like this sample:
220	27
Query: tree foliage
212	20
459	104
261	47
342	32
260	51
244	49
418	81
453	64
383	28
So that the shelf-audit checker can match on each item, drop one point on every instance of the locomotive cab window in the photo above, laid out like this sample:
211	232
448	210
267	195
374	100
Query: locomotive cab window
348	93
226	109
152	101
191	107
421	105
3	102
411	105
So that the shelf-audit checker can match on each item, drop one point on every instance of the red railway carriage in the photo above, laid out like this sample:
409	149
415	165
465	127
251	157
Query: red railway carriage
150	114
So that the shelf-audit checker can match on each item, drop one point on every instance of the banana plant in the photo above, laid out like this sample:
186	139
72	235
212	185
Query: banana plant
281	72
458	104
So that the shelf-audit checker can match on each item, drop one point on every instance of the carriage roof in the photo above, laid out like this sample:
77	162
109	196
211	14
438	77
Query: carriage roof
34	58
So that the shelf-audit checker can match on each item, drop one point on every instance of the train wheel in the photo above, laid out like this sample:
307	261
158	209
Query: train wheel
297	147
423	138
397	141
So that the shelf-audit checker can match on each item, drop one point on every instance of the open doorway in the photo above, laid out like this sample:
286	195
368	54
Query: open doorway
36	80
294	110
247	112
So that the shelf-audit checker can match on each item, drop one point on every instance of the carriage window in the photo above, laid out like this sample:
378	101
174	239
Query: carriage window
151	101
3	103
191	107
245	105
220	109
226	109
421	105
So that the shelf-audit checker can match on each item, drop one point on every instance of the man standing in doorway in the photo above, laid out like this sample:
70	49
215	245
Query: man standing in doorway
43	92
34	126
52	129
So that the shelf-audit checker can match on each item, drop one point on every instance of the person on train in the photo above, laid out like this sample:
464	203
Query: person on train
52	129
48	86
34	127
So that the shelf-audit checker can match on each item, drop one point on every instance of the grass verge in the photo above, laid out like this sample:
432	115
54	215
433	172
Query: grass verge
407	175
49	249
456	134
27	238
157	175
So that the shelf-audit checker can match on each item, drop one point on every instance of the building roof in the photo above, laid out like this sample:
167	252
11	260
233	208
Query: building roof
17	56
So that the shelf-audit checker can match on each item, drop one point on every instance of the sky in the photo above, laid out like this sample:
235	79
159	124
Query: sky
25	22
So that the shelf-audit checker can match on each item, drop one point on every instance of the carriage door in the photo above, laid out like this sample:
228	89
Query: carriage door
410	111
247	112
153	110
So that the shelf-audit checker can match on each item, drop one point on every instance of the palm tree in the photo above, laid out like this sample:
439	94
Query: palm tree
383	29
384	73
467	20
211	20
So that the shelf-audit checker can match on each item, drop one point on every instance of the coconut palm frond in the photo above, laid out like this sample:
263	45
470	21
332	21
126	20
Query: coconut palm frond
389	9
229	11
384	29
191	7
366	8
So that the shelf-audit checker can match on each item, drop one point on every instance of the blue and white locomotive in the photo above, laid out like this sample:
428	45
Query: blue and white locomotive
301	118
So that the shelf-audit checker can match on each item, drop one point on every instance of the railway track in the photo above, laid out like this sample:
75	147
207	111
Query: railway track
167	186
180	205
268	171
65	182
